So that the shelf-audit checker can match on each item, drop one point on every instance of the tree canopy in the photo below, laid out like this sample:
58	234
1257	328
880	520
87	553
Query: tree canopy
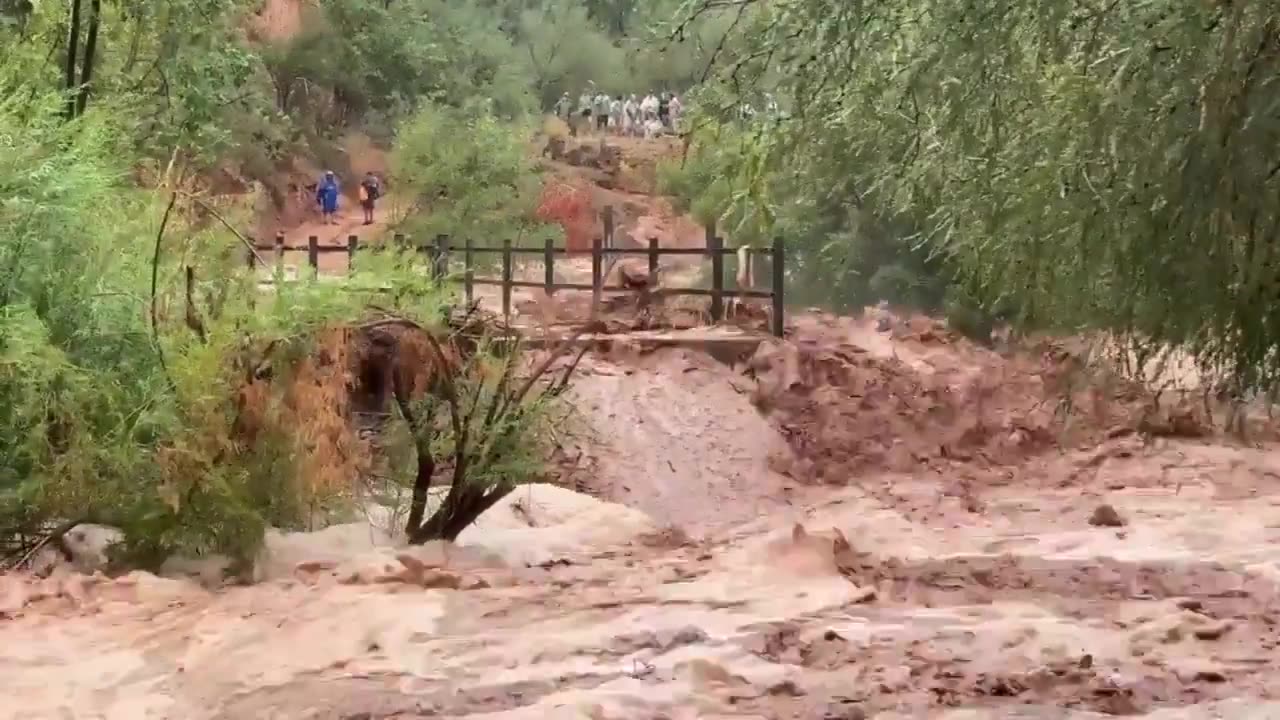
1084	165
210	75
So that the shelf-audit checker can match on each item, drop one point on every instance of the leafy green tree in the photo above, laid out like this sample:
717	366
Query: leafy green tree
1093	165
121	386
842	253
467	174
568	52
83	390
666	54
179	71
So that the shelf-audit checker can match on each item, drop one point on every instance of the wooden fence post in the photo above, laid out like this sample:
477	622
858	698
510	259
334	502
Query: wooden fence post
430	252
548	266
192	315
779	280
313	254
506	281
352	242
468	287
597	255
440	268
714	245
280	252
653	261
193	319
608	226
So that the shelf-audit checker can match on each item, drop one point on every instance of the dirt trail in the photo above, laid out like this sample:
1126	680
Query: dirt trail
349	221
629	187
278	20
626	186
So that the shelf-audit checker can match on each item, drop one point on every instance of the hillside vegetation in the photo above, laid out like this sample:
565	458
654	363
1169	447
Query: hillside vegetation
133	349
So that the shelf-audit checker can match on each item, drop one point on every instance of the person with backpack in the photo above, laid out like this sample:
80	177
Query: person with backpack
327	197
370	191
564	108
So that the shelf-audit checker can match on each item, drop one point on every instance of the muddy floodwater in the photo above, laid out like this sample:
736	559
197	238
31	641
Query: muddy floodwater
734	562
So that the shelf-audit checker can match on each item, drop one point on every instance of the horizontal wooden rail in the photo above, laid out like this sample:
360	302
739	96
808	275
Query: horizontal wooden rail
304	248
701	292
638	252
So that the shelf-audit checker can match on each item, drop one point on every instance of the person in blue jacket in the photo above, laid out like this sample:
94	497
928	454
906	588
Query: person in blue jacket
327	197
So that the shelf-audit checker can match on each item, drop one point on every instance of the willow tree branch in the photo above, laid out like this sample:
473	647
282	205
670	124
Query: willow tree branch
217	216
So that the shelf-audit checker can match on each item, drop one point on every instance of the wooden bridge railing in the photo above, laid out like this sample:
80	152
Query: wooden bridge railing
440	252
314	251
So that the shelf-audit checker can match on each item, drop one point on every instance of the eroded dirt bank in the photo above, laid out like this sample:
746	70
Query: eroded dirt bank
827	578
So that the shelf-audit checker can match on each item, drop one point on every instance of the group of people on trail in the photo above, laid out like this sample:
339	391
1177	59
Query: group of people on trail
648	117
328	191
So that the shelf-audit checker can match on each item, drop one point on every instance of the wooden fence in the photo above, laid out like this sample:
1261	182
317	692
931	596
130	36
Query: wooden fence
314	250
441	253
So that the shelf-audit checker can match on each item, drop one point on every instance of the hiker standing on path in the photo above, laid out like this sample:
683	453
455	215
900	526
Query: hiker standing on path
631	117
564	109
370	191
648	108
615	115
602	112
327	198
584	110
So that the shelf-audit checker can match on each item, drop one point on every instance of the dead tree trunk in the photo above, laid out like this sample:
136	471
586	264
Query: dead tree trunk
422	445
90	53
69	69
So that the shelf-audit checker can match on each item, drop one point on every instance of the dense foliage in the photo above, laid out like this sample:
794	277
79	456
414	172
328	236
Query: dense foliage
134	397
1089	164
465	173
213	76
842	254
123	391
